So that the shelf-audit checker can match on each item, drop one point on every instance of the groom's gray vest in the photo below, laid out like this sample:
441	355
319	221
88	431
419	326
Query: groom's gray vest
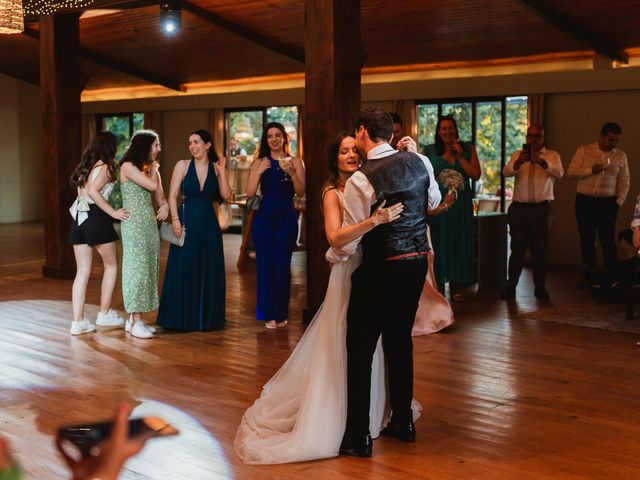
398	178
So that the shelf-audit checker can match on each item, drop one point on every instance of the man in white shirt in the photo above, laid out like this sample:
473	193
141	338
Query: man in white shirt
603	183
235	150
535	169
386	287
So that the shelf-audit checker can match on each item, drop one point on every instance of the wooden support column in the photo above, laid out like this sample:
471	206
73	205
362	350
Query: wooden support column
61	83
333	61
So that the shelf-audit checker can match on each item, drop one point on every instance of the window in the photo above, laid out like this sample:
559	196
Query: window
123	126
243	130
497	127
287	116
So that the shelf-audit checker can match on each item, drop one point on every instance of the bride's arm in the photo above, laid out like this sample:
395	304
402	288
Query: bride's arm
337	235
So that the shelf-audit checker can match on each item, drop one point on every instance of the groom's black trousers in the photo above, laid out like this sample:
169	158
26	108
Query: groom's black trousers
384	299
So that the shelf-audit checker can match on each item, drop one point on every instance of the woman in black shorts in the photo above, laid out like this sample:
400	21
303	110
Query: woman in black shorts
92	226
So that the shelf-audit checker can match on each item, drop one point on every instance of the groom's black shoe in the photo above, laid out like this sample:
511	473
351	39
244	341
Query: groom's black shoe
357	445
405	431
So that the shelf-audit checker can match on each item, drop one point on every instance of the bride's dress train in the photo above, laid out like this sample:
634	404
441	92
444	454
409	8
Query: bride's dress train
434	311
301	413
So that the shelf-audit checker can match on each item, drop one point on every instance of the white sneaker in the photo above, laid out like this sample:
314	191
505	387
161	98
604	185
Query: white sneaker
109	319
140	330
129	323
84	326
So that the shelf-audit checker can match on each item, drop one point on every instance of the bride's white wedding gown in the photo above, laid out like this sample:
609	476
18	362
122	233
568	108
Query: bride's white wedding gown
301	414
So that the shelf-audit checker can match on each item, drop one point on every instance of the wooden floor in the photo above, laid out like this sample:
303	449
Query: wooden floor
503	397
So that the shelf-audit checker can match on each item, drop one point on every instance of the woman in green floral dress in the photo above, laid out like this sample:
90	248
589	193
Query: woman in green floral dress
140	241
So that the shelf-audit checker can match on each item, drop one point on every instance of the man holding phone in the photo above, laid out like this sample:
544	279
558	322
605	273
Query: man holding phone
535	169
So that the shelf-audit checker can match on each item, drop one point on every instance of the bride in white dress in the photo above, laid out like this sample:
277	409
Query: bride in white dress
301	413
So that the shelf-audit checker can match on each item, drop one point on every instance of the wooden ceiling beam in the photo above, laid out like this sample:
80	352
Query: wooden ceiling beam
120	66
286	50
570	27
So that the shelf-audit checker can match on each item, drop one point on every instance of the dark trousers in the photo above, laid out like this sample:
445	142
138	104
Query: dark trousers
384	299
597	214
529	224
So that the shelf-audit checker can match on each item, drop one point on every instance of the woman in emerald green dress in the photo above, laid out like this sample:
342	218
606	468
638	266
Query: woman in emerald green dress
453	233
140	181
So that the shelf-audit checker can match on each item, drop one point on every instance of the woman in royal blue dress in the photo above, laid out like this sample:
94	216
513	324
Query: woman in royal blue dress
193	294
275	224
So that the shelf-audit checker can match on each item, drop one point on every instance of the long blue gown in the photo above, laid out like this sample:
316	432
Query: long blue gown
275	230
193	294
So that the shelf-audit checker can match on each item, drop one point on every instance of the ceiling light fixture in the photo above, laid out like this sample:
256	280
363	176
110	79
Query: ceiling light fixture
170	16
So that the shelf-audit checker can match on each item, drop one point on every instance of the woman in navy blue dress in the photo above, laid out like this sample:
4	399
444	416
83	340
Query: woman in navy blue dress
275	224
193	294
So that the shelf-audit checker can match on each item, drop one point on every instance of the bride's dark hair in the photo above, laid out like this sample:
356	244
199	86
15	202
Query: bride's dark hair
332	157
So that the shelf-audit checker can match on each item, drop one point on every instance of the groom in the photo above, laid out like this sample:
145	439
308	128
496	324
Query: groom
386	287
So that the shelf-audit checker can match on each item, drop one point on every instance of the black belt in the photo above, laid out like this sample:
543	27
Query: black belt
535	204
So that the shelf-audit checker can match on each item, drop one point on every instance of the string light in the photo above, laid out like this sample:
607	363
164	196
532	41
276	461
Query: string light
11	19
47	7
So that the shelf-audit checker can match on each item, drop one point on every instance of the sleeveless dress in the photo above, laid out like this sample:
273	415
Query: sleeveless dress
275	230
193	294
452	232
140	250
91	225
302	411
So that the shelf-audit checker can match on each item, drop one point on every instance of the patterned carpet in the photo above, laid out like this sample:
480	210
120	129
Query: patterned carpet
605	316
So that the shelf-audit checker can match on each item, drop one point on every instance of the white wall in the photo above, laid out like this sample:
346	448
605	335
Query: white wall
176	127
20	151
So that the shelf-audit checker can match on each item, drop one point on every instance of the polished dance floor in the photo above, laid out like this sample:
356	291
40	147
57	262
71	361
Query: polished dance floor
504	397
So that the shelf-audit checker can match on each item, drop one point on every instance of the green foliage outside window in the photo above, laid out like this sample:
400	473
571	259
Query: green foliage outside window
287	116
488	132
489	144
138	122
463	114
123	127
427	121
246	128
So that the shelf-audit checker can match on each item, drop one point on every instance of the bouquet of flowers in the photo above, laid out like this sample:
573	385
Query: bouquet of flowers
451	180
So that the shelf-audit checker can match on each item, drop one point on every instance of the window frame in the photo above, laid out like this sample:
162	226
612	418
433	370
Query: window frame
262	109
101	116
503	128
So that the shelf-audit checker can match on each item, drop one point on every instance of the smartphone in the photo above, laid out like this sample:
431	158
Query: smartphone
526	148
85	437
